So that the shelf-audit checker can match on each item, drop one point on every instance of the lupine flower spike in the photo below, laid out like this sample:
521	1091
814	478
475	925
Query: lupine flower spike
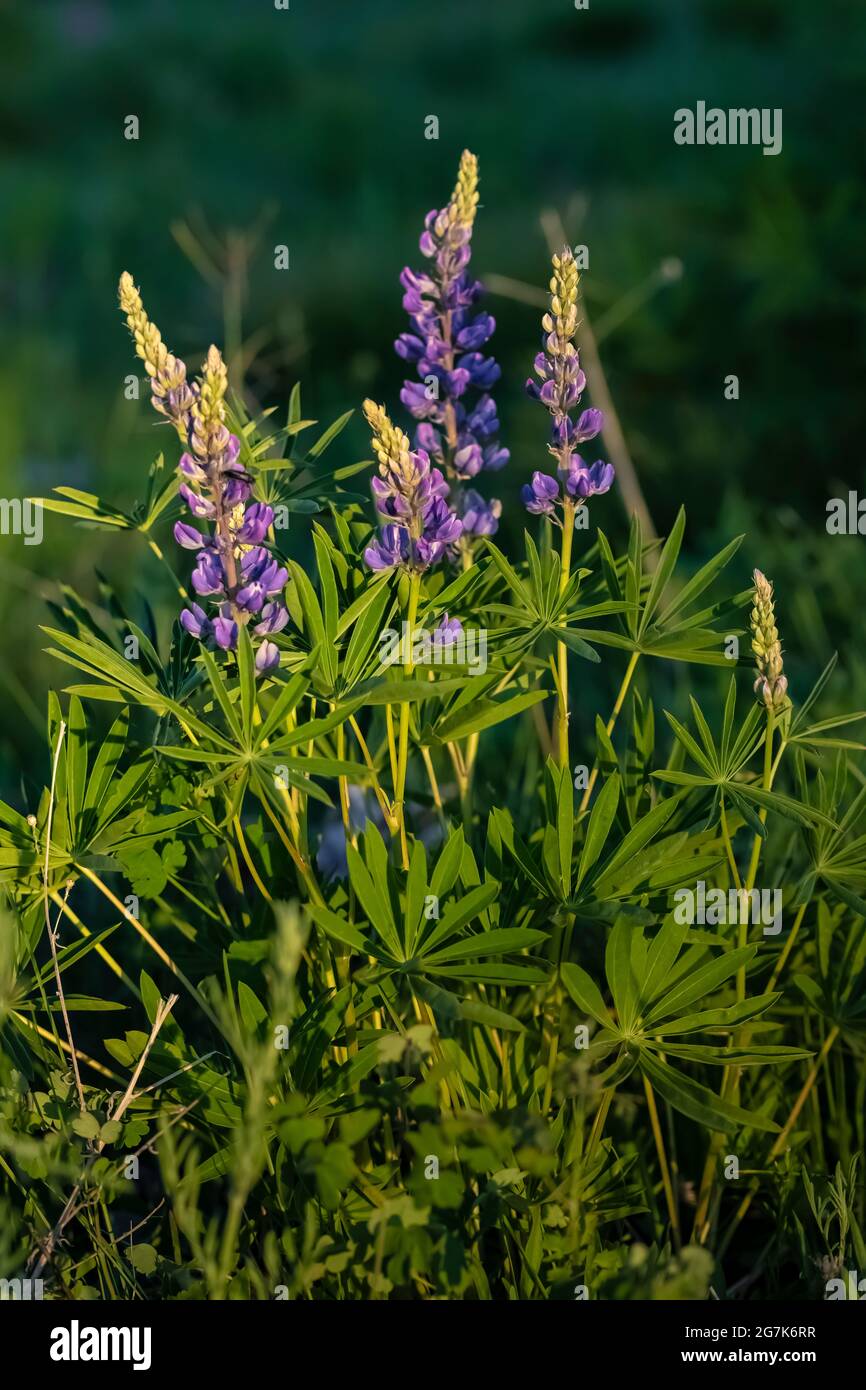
172	396
451	399
410	493
771	684
560	386
562	383
233	568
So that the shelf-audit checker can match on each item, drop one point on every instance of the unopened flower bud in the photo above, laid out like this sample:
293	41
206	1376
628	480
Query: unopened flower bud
771	684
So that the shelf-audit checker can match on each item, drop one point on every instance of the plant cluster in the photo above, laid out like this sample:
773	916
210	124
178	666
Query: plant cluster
383	1038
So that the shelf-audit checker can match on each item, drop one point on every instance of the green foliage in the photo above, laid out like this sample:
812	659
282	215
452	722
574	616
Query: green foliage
495	1066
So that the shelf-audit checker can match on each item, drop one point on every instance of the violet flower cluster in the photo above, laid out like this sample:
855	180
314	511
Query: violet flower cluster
458	426
560	386
410	495
234	570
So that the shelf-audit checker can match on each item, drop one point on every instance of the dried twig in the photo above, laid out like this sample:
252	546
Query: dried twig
73	1205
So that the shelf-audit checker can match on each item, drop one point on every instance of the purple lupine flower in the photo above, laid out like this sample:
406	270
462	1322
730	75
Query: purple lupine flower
566	433
188	537
260	579
237	490
225	631
232	565
540	495
389	549
447	631
196	622
440	524
200	506
441	528
258	518
267	657
480	518
495	458
406	484
583	480
208	577
273	618
456	430
190	469
410	493
560	384
468	459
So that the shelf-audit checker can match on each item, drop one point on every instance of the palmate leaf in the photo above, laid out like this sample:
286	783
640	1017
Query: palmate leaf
653	986
598	827
735	1056
406	690
722	767
838	993
699	1103
836	850
541	608
525	859
673	633
297	480
710	1020
116	678
374	897
99	817
698	984
68	956
417	949
613	878
482	714
449	1005
492	943
576	644
78	1003
602	886
621	978
496	973
585	993
801	732
797	811
339	929
86	507
92	512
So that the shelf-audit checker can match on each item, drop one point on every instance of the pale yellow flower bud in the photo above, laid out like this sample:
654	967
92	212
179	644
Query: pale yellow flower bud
464	200
771	684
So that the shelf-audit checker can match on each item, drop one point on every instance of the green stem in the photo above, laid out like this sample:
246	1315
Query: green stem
153	944
384	803
403	756
782	1137
552	1053
159	555
756	852
729	848
599	1122
730	1085
788	947
663	1161
248	859
615	713
434	787
561	649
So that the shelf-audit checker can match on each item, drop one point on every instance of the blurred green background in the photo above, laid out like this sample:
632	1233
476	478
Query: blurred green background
305	127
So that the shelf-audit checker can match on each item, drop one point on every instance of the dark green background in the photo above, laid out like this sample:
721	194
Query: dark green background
309	125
